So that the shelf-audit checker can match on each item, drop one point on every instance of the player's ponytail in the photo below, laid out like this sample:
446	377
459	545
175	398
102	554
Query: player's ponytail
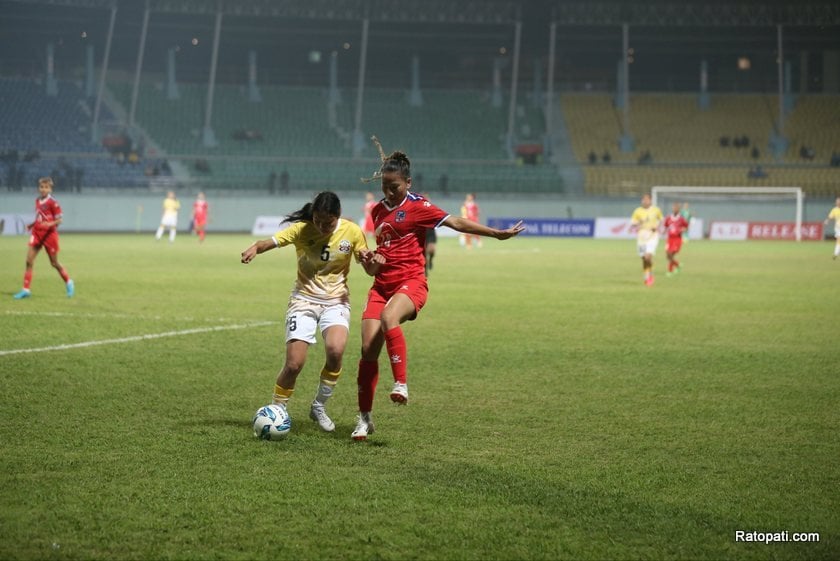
395	161
325	202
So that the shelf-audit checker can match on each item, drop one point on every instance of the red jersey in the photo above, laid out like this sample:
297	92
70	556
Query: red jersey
471	211
401	237
675	225
200	210
46	210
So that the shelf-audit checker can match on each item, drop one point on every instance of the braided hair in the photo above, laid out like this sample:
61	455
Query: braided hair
396	161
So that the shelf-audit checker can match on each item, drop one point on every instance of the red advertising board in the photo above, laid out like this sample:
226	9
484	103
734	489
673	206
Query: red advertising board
783	231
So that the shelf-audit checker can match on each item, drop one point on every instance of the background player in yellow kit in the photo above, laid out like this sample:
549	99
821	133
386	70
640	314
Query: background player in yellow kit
325	244
834	214
169	219
645	220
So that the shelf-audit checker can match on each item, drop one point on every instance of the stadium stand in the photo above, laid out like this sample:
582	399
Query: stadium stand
457	134
288	122
50	135
723	144
623	180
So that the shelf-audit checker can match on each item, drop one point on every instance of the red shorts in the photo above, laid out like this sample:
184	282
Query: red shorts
48	240
416	289
199	223
674	245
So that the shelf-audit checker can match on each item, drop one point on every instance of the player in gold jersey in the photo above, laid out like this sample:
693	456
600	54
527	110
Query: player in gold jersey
169	219
325	244
645	221
835	215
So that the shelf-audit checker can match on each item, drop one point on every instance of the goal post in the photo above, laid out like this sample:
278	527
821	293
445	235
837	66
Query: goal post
656	193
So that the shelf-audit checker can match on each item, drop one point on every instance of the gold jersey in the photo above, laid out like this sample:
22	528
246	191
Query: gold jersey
323	260
170	207
835	215
647	221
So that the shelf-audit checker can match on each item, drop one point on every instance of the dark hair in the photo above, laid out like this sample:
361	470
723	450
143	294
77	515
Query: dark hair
325	201
398	162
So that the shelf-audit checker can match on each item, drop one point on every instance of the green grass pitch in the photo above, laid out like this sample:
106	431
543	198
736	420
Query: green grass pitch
559	408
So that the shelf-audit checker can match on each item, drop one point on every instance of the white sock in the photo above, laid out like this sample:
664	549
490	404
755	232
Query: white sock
159	233
172	235
324	393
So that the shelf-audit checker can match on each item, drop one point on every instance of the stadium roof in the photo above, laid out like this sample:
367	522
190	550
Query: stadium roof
709	13
494	12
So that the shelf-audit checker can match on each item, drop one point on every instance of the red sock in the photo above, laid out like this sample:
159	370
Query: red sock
670	266
676	263
64	275
201	235
27	279
368	376
397	353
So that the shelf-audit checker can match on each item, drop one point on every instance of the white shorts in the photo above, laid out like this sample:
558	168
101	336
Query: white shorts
169	221
648	246
304	318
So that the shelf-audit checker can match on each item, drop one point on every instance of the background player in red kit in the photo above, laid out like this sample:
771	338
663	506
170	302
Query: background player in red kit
370	202
399	290
44	234
200	209
675	226
469	210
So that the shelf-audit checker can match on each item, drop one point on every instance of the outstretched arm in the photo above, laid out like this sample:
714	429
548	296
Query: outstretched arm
256	248
466	226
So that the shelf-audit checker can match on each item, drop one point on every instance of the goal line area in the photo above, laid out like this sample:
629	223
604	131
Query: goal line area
736	196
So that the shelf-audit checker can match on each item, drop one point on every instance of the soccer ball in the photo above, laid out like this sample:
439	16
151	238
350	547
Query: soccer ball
272	422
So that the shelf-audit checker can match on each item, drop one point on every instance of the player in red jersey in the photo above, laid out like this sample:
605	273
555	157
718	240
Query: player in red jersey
399	290
676	225
200	211
44	234
469	210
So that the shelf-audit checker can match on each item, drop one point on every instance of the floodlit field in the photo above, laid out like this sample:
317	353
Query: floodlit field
559	408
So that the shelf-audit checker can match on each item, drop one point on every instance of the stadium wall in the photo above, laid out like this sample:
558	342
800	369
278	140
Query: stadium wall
97	212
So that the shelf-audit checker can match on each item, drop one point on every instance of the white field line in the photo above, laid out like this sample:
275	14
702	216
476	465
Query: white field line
136	338
109	315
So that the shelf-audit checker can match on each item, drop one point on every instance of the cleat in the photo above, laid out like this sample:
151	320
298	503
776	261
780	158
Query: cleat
649	281
399	394
25	293
318	414
669	274
364	427
71	288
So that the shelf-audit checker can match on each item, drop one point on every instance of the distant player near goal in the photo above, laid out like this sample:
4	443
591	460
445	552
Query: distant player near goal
675	225
685	213
835	215
645	221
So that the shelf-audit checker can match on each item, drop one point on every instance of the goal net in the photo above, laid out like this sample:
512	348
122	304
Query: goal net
761	204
